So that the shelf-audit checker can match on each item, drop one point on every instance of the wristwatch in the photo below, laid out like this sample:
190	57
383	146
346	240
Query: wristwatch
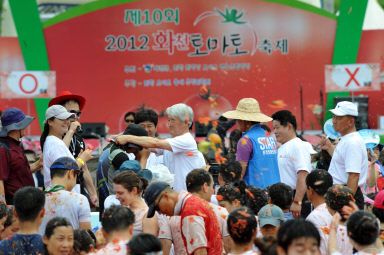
298	202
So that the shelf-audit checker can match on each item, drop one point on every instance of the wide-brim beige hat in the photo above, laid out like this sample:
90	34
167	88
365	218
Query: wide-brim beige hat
247	109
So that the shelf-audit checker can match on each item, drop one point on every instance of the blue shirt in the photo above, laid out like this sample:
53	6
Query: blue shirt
22	245
262	168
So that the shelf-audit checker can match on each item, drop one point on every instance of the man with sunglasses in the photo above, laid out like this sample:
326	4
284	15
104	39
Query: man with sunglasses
75	104
60	201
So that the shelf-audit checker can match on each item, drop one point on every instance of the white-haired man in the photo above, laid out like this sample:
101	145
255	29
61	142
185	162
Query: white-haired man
180	152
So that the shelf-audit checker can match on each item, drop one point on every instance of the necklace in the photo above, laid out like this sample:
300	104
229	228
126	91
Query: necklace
54	189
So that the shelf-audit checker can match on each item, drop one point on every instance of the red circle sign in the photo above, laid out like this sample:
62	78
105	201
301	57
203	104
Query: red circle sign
21	83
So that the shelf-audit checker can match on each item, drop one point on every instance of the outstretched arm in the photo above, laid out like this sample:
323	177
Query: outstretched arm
145	141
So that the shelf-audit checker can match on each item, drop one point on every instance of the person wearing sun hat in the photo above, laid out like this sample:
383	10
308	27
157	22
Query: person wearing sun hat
256	149
349	164
73	139
15	171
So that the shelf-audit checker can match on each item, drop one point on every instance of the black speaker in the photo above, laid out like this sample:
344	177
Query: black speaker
362	107
93	130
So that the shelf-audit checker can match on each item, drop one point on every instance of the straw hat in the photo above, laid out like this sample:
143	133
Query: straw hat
247	109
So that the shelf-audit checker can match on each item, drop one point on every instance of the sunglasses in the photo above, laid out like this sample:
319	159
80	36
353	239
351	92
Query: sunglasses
78	113
129	121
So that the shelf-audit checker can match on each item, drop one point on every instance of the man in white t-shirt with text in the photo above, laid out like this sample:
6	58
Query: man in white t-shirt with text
293	157
349	164
180	152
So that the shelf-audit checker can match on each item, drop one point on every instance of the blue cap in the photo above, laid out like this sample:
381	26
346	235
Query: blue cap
13	119
145	173
271	215
129	165
151	194
65	163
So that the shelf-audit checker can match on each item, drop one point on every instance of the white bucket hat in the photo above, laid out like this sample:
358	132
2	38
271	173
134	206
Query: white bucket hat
247	109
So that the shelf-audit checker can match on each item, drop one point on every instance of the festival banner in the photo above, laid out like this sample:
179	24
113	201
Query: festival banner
207	54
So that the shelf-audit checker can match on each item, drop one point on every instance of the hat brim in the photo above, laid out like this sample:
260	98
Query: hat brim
151	210
59	99
65	115
337	113
4	130
273	222
238	115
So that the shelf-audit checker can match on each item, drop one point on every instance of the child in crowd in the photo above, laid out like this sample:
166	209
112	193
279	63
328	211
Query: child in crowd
270	218
11	225
84	241
3	215
281	194
363	231
143	244
242	226
298	236
29	207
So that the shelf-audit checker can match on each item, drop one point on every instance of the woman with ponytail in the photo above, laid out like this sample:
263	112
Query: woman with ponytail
57	122
129	187
232	196
363	231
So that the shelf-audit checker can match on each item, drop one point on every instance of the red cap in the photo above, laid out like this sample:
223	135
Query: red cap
379	200
65	95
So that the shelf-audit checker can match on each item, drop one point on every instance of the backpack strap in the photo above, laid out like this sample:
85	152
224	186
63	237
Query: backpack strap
5	144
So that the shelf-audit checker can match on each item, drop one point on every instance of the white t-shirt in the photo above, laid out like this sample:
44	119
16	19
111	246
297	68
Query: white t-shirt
116	247
183	158
350	156
293	156
321	218
154	160
54	148
73	206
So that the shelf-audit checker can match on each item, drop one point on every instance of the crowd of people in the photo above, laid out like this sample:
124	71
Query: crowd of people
263	192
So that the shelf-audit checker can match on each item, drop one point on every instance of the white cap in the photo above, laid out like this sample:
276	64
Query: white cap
344	108
59	112
309	147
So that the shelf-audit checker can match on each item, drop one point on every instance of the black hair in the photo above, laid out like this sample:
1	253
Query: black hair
319	180
117	218
255	198
64	102
234	138
146	115
337	197
3	210
379	213
28	201
230	171
233	191
83	240
242	224
285	117
10	217
295	229
196	179
55	223
45	133
281	195
128	114
144	243
52	225
129	180
265	127
119	159
363	228
266	245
